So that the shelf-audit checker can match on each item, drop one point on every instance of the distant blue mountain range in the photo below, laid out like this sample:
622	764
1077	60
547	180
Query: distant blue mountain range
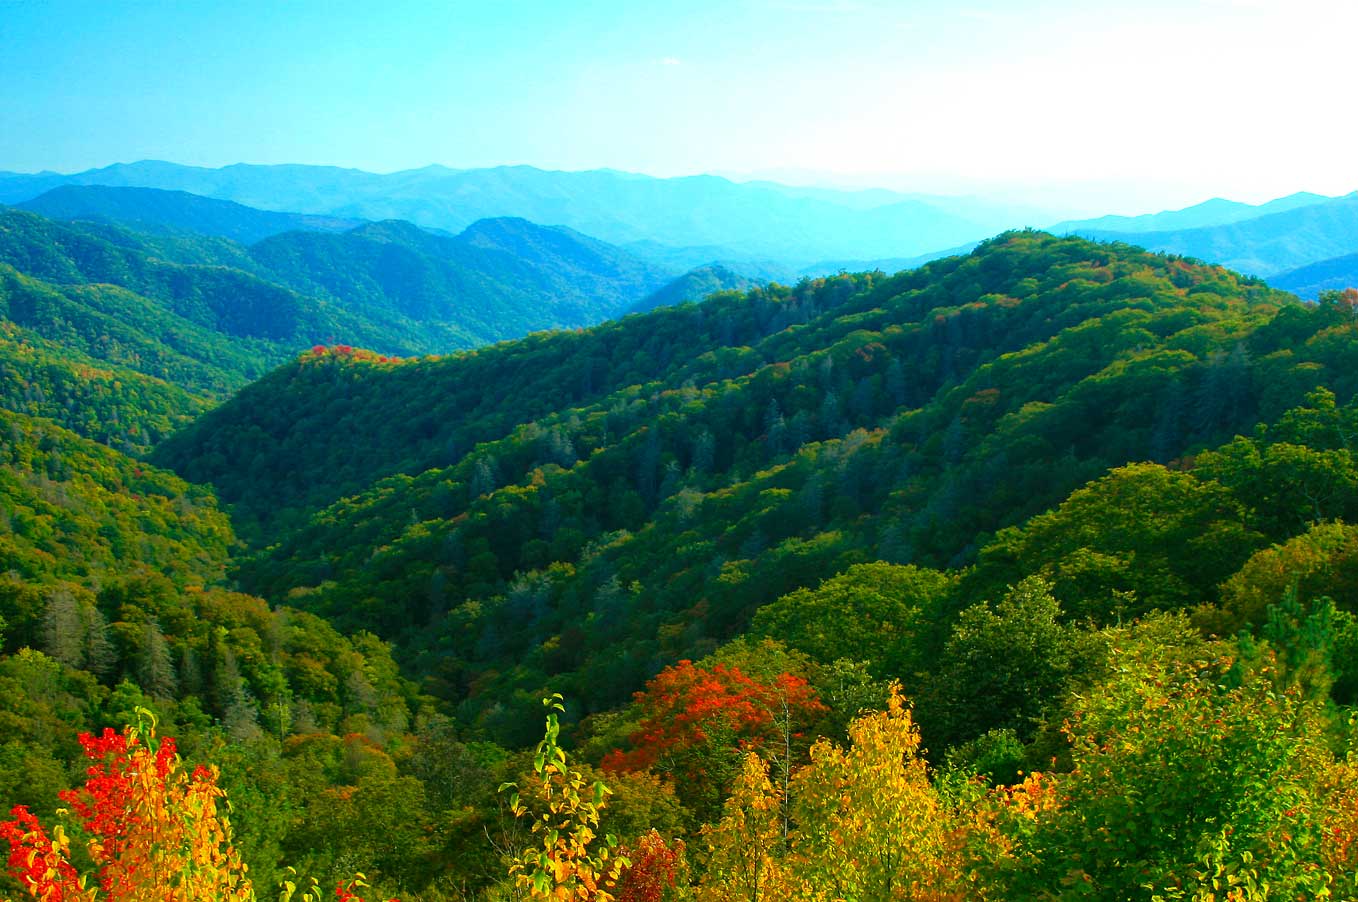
759	231
753	220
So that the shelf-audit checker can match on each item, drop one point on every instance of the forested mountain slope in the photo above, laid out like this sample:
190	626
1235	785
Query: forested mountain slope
210	292
632	494
128	329
695	285
387	286
498	279
101	333
76	509
118	407
1069	518
111	600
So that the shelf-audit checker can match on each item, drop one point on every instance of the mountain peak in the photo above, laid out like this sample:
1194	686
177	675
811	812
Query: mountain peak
391	228
500	226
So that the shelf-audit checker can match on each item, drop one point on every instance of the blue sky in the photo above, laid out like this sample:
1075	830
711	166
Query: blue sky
1126	105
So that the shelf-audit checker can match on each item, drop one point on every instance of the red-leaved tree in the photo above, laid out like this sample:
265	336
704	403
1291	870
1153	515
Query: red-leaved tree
655	867
154	830
696	722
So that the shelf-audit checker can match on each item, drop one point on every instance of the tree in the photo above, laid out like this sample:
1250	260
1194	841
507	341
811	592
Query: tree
155	670
879	613
156	830
1189	780
1141	538
1289	487
742	849
566	864
1344	301
100	656
1002	666
656	866
869	823
62	630
1321	562
695	721
485	477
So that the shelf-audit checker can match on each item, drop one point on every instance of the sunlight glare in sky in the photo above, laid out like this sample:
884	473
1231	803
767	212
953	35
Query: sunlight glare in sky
1133	105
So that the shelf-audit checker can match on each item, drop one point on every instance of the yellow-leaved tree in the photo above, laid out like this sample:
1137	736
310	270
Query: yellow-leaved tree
744	848
870	825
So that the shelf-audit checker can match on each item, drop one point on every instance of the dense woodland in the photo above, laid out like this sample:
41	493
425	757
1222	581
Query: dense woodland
1024	574
210	314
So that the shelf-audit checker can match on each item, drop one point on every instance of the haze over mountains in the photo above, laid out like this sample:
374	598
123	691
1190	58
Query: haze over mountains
1309	281
761	230
170	212
1264	245
757	219
1214	212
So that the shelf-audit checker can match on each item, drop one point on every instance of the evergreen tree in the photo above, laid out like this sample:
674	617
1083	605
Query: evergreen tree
63	631
155	669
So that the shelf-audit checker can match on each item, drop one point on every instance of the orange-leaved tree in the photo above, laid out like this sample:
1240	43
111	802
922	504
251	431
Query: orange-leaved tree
656	866
686	706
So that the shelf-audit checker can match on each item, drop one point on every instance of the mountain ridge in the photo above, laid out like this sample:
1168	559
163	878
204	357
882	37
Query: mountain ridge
1213	212
387	285
1336	273
1263	246
750	218
695	285
154	209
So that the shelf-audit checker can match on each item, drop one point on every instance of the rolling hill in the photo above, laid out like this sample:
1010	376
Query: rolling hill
111	294
498	279
695	285
154	210
1309	281
207	314
1263	246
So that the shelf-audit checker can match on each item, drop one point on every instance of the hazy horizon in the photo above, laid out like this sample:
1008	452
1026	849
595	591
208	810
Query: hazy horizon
1096	106
1039	199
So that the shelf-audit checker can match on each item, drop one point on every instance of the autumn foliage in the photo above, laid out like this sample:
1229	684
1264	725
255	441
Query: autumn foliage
566	864
687	706
871	823
40	862
349	352
153	829
656	866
